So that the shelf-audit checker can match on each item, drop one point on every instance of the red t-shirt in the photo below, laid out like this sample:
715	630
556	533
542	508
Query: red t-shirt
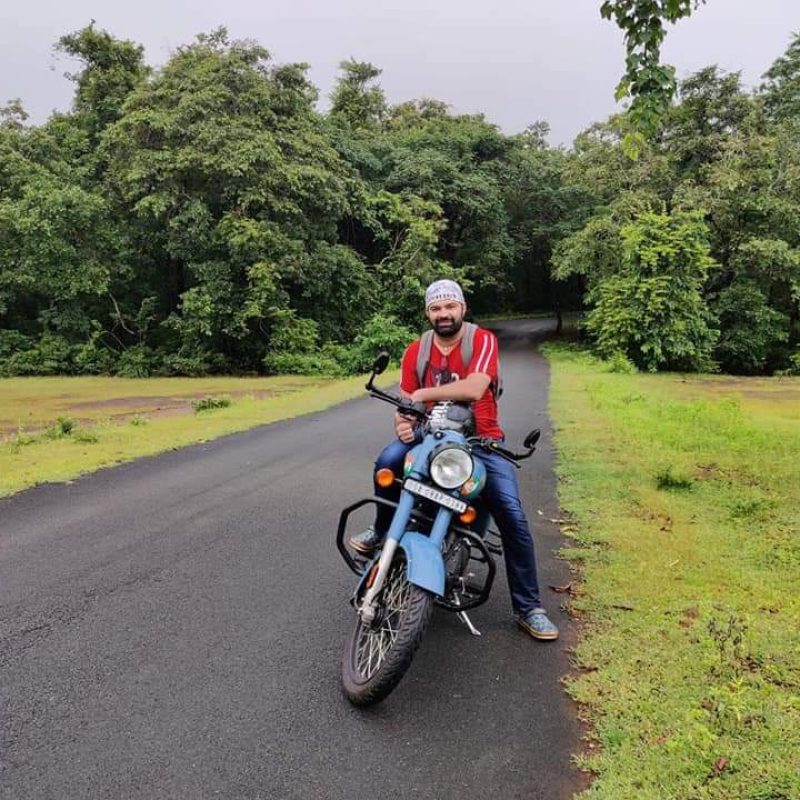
444	369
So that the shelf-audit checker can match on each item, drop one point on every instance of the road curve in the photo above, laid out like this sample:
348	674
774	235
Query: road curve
173	628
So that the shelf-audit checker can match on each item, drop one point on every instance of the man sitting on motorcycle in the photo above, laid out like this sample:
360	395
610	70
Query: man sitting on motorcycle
446	377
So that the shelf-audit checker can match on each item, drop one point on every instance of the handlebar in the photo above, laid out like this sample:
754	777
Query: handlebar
403	405
493	446
419	410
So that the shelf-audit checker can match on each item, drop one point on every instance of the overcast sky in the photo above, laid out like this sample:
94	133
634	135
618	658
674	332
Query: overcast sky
515	60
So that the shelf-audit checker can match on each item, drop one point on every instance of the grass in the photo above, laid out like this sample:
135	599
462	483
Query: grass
66	427
683	499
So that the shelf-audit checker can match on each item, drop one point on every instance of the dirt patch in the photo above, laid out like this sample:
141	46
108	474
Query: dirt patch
165	403
126	402
121	409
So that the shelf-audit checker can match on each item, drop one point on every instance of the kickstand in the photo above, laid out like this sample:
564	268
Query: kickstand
462	615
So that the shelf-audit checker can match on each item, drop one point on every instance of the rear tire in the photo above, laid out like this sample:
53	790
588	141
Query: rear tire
377	657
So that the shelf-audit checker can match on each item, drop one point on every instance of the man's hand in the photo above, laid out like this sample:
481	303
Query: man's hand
404	428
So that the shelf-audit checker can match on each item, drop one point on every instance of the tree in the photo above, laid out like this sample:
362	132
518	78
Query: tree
646	81
222	167
780	92
111	70
651	309
357	99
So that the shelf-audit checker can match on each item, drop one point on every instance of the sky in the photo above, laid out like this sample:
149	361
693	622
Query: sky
517	61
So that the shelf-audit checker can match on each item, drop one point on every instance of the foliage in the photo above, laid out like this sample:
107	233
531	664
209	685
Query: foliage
650	84
210	404
206	217
651	309
780	92
620	363
751	330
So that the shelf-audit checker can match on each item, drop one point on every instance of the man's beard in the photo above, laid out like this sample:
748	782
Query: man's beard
447	327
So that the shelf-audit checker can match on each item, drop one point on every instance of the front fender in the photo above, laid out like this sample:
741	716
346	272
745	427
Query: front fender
425	563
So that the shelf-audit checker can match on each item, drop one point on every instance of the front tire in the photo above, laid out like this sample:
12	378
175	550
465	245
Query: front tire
376	657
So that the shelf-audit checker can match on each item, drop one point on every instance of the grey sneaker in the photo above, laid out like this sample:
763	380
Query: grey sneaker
365	542
536	623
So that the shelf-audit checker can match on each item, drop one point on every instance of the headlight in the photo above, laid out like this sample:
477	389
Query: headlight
451	467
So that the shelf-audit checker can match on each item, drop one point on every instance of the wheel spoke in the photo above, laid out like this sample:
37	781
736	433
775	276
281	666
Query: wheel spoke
374	644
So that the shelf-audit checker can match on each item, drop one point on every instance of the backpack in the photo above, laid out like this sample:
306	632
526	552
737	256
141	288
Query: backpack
467	341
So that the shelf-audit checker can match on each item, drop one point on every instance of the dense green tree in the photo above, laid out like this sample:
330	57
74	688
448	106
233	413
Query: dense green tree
357	98
207	217
651	308
780	91
223	168
110	70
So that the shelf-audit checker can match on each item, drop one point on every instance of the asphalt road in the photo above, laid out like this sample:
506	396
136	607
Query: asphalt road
174	628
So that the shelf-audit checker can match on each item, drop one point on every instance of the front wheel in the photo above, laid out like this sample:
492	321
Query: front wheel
377	656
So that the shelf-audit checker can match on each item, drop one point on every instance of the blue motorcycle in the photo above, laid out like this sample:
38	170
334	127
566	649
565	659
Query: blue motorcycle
437	551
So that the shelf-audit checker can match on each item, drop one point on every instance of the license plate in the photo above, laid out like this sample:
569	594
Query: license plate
429	493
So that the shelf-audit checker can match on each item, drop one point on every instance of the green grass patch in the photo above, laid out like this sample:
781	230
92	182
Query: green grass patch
77	425
683	494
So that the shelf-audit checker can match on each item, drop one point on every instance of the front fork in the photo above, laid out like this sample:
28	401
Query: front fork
368	609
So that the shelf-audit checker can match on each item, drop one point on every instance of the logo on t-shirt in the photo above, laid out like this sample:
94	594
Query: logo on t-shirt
442	376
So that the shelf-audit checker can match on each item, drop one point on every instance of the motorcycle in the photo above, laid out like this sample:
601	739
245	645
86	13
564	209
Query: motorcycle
438	549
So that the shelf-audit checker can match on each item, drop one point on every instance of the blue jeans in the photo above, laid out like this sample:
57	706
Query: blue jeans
501	497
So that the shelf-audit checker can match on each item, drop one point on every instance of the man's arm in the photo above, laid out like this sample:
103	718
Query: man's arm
468	390
404	426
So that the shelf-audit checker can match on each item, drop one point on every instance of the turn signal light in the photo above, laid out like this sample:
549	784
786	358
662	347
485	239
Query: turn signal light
384	478
469	516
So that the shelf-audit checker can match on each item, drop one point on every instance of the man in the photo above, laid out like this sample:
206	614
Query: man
446	377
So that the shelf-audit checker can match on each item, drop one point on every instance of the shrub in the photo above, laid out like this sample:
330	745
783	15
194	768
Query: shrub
382	332
620	363
667	481
210	404
51	355
303	364
95	358
652	309
138	361
64	427
751	330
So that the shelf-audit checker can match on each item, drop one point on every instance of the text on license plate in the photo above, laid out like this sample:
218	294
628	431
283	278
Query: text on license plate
421	489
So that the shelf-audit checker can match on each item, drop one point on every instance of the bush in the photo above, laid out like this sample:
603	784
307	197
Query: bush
292	334
303	364
210	404
64	427
95	358
138	361
620	363
51	355
382	332
192	363
751	330
667	481
652	310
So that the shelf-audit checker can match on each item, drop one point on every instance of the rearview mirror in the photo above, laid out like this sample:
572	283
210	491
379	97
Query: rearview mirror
532	438
380	363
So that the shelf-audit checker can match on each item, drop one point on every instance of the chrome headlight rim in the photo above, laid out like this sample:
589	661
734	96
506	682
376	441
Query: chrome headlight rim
461	466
